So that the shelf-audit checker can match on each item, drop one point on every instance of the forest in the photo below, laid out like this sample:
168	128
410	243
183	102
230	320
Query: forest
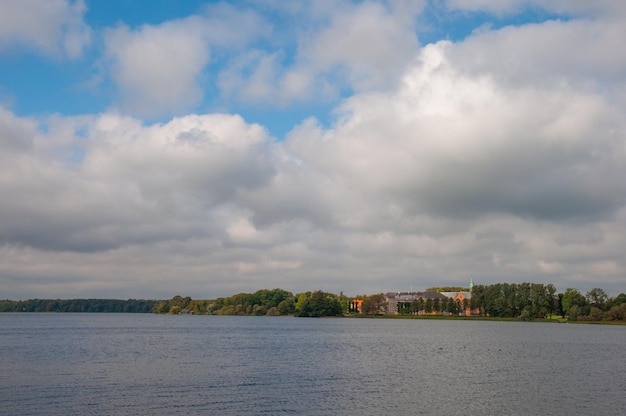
273	302
78	305
524	301
529	301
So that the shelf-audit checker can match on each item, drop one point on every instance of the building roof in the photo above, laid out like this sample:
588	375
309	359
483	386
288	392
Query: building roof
454	295
411	296
450	294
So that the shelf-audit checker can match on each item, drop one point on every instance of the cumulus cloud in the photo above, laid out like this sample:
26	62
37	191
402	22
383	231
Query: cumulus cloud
459	144
522	55
473	162
604	8
135	184
499	7
17	133
346	46
471	148
165	69
253	78
52	27
160	70
366	44
157	69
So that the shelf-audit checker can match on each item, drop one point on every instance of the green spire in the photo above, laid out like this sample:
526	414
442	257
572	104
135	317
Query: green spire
471	284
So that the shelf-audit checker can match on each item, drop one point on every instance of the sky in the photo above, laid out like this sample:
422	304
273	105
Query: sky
198	148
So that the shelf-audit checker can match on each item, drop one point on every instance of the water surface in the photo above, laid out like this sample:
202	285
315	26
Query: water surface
136	364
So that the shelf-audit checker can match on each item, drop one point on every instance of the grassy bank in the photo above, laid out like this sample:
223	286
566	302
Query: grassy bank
554	320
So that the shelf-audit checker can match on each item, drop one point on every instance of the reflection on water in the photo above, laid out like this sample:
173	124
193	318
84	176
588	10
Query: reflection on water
154	364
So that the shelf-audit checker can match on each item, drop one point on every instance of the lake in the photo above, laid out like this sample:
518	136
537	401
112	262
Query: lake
142	364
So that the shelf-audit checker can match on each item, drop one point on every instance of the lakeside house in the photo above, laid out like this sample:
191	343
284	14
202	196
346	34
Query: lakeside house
399	302
355	306
463	299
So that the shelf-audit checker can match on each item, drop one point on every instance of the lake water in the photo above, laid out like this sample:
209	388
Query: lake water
118	364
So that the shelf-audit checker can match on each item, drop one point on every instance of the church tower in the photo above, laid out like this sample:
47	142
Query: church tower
471	284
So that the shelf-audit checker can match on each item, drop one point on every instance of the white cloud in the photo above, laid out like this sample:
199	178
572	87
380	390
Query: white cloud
469	147
343	46
475	162
583	54
466	143
157	69
366	44
498	7
134	185
161	70
52	27
230	27
16	133
252	77
211	199
604	8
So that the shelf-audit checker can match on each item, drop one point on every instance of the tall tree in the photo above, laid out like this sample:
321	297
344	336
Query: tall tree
574	303
437	305
374	305
428	307
597	297
320	304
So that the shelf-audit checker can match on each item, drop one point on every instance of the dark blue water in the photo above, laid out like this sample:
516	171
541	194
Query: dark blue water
115	364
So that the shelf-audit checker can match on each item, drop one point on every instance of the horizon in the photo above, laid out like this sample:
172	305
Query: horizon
355	296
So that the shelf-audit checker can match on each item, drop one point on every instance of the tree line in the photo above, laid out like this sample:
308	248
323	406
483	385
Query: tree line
526	301
78	305
437	306
264	302
529	301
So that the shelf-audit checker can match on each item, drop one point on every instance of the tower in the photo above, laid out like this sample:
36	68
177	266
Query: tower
471	284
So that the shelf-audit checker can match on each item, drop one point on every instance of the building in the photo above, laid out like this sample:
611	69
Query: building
423	302
355	306
463	299
398	301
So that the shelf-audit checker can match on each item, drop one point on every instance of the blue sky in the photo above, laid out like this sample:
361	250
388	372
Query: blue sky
36	84
153	148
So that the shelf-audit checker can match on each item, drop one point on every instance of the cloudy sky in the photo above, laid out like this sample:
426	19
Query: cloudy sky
155	148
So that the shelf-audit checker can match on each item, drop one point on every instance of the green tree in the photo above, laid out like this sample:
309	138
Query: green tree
572	298
421	304
596	314
301	300
617	313
455	306
428	306
616	301
447	304
574	312
287	306
273	311
597	298
320	304
437	305
619	299
465	305
447	289
374	305
528	314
